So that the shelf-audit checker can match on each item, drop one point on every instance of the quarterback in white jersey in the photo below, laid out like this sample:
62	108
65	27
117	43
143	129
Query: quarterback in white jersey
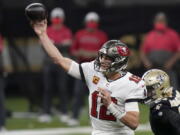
114	92
126	89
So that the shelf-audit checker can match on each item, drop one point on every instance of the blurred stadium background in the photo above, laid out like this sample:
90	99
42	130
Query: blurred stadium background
127	20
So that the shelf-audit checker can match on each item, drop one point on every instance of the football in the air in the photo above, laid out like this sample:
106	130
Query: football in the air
36	12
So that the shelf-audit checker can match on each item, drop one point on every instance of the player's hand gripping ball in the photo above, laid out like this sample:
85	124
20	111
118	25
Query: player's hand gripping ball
36	12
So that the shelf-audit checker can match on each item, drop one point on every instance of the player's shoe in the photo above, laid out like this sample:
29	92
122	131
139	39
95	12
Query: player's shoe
3	129
45	118
73	122
63	118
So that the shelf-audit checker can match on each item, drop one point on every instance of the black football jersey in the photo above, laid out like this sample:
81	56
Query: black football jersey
165	115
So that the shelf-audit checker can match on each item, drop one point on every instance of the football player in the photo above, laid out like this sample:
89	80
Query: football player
113	92
164	103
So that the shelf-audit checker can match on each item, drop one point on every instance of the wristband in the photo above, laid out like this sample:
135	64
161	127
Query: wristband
115	110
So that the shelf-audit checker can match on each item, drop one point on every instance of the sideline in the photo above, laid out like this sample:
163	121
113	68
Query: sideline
62	131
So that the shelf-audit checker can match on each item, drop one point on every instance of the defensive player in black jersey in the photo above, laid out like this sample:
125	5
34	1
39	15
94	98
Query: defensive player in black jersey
164	103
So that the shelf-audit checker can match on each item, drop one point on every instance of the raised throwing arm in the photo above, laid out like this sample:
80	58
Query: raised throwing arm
67	64
53	52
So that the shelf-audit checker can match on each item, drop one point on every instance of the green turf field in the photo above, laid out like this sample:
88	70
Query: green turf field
21	105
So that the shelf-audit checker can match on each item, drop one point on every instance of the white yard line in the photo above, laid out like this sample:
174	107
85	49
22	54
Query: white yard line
62	131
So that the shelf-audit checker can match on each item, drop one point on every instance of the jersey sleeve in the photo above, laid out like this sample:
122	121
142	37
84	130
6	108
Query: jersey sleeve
131	106
74	70
86	70
176	41
138	93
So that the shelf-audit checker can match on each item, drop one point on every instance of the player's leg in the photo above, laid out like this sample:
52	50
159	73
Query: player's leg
47	94
63	94
80	91
2	104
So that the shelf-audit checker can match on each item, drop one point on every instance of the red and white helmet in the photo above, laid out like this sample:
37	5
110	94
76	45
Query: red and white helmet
118	52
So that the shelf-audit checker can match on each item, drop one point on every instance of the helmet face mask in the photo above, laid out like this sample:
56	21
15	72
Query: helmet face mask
104	64
117	52
157	83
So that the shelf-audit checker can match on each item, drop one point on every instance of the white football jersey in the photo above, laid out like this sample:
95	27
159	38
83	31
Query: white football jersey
128	88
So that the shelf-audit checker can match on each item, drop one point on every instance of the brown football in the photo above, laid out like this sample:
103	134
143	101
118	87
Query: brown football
36	12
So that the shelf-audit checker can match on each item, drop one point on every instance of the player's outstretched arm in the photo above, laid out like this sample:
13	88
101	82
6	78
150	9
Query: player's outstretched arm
53	52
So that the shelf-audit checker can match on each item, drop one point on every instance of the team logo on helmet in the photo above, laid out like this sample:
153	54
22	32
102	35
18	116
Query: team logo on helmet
123	51
118	52
157	84
160	78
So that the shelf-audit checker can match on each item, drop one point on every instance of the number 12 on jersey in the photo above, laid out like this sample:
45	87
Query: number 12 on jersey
101	112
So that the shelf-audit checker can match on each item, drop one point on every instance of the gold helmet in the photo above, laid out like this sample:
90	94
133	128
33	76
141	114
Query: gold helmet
157	83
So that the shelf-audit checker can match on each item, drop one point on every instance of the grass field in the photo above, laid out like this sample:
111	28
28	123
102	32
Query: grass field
137	133
21	105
